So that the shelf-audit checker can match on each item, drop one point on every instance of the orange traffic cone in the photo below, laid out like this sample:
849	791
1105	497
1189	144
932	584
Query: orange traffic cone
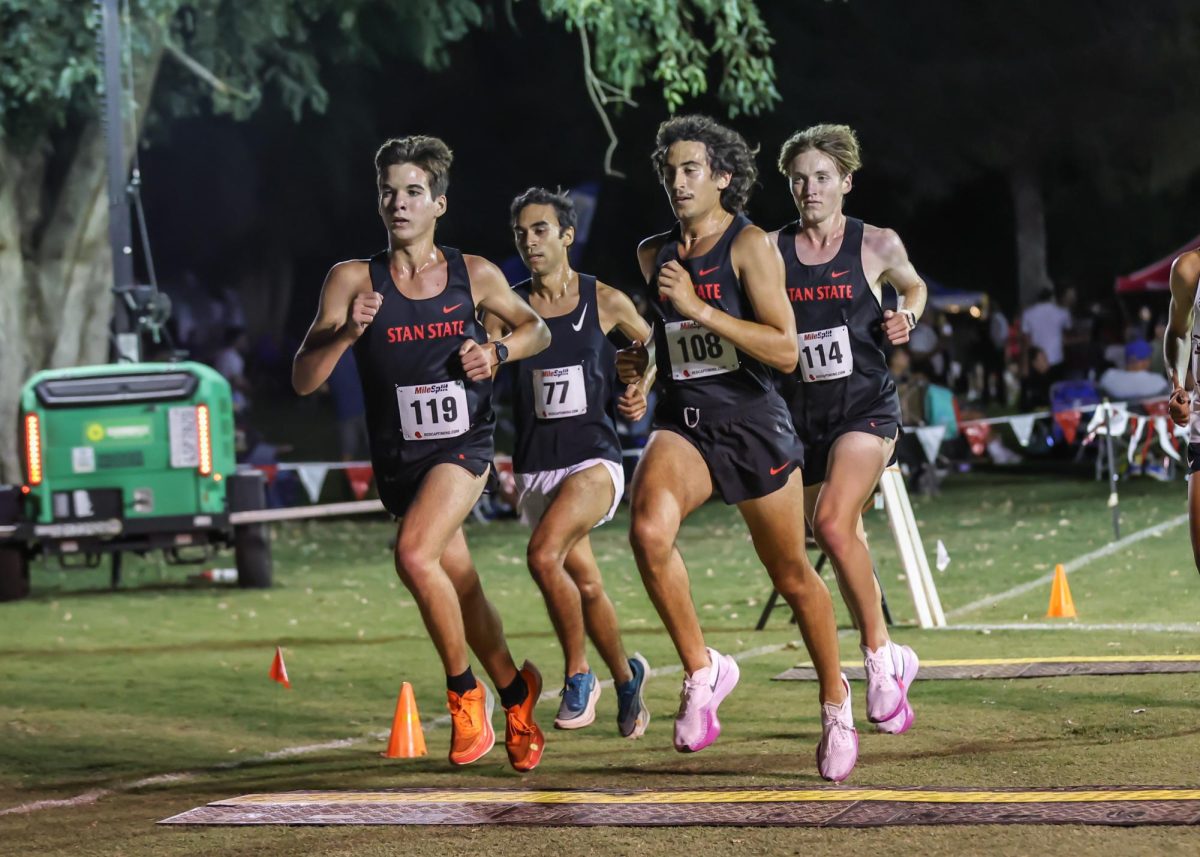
407	740
1061	604
278	671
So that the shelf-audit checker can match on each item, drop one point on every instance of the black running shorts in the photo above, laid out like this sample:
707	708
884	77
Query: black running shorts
750	451
399	481
1193	456
817	449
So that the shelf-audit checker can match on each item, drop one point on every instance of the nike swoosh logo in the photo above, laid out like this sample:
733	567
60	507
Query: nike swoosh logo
704	273
775	470
578	326
837	274
446	310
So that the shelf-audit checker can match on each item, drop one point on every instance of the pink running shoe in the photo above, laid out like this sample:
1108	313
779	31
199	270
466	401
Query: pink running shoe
696	724
838	750
890	673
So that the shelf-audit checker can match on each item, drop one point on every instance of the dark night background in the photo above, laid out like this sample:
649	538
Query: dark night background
266	206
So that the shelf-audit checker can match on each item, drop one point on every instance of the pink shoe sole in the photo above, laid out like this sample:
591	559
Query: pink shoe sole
724	686
911	665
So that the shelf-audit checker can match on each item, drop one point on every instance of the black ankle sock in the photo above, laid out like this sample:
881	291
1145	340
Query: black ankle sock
460	684
515	693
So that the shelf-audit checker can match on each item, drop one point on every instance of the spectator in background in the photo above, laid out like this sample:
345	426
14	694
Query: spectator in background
349	408
1157	362
1136	380
1035	388
1043	324
231	363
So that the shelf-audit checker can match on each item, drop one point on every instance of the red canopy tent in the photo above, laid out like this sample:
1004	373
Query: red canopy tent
1155	277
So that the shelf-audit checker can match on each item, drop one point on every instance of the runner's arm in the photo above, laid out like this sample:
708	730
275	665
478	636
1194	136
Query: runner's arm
903	277
1185	272
759	267
347	305
617	310
527	333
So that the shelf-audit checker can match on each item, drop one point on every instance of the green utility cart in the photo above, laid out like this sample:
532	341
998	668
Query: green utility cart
131	457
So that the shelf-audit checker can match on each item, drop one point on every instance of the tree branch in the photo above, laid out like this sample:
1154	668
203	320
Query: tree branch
204	74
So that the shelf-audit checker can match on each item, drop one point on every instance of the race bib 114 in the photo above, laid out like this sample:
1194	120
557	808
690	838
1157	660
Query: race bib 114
825	354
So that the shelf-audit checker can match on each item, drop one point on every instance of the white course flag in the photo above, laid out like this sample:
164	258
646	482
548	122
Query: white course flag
312	476
1022	426
931	440
943	556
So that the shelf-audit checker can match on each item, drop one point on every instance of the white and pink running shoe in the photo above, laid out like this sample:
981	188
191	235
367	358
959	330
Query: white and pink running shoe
838	751
890	673
696	724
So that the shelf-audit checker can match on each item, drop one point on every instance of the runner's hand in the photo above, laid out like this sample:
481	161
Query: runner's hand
362	313
632	363
895	326
632	404
675	284
1179	405
478	361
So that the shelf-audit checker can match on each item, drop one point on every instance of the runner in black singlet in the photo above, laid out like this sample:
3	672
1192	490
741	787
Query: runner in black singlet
1181	350
722	318
841	396
567	459
426	369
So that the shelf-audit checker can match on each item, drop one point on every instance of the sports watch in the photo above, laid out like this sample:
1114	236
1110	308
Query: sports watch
911	316
501	352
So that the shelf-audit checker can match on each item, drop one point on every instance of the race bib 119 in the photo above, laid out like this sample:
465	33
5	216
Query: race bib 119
432	411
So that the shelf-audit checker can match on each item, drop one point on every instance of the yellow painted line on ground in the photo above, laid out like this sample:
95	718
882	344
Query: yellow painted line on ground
713	796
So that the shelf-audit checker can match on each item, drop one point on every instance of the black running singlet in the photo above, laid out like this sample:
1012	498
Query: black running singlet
419	400
698	368
563	398
843	372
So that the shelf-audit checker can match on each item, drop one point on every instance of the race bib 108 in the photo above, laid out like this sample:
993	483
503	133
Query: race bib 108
432	411
697	352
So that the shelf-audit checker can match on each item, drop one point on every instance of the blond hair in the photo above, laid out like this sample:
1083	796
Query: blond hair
839	142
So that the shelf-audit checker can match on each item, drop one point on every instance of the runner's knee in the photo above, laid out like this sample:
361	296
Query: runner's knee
834	533
544	563
652	540
415	564
589	591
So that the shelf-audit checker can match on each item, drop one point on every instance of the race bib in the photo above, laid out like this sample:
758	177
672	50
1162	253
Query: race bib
432	411
825	354
559	393
696	351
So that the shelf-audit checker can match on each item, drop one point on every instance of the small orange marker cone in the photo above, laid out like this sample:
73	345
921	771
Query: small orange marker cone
1061	604
407	740
278	671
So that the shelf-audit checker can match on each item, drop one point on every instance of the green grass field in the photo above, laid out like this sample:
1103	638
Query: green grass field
157	696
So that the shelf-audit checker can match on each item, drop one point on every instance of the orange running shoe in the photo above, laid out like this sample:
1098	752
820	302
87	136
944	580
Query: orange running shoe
471	732
522	737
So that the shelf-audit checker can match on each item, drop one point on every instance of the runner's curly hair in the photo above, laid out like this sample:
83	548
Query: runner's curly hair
728	152
429	153
839	142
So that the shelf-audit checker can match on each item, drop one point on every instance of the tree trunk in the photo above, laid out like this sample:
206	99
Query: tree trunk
55	266
1030	210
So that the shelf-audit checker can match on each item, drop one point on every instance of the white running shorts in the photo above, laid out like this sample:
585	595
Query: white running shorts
537	490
